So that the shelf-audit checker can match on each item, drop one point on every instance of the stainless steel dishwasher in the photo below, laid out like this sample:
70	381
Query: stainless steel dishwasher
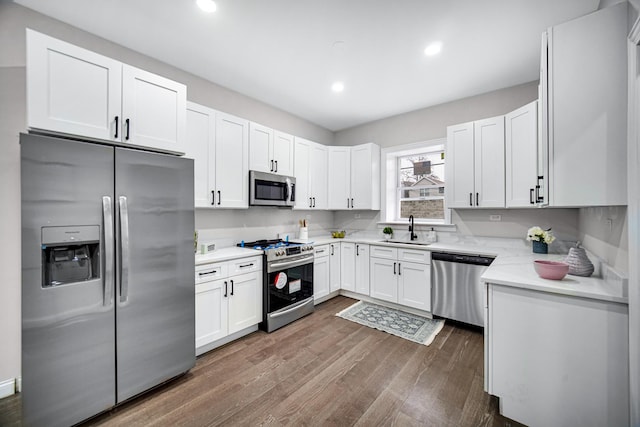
457	291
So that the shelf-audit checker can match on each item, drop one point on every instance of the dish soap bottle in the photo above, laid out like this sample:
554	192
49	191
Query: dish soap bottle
431	236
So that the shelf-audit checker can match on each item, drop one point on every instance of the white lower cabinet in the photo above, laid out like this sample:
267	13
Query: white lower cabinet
556	359
414	288
401	276
334	267
211	323
348	266
384	282
321	267
362	268
228	299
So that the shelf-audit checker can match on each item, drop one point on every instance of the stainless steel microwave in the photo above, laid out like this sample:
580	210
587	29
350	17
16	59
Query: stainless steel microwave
268	189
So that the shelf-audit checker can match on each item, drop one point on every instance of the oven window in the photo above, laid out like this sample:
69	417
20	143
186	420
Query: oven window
289	286
269	190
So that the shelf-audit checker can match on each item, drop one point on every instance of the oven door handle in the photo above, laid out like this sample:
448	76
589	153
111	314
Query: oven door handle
276	266
292	308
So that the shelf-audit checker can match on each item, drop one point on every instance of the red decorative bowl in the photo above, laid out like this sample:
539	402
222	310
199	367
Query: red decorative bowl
553	270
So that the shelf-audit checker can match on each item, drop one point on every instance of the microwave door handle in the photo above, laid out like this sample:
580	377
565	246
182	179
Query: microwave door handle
124	249
286	192
107	217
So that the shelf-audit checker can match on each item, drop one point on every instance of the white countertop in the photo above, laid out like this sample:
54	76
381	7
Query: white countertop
226	254
517	271
513	266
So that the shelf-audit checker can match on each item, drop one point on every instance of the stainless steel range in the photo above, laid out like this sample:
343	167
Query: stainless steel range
288	281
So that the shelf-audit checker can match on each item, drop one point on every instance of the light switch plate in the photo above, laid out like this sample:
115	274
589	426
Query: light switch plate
495	217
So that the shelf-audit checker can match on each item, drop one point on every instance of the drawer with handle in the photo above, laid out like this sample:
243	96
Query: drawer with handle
245	265
209	272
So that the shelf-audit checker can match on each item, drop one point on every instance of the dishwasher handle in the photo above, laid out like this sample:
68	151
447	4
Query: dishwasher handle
461	258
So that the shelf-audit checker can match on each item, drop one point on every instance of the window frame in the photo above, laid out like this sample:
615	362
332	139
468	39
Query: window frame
390	203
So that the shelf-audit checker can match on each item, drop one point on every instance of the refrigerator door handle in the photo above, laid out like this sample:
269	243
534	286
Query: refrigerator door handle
124	249
107	218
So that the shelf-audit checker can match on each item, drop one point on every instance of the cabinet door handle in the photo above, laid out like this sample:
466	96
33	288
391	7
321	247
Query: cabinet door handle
276	166
219	197
331	249
117	125
319	251
477	197
539	198
271	165
394	268
225	288
310	202
126	136
352	203
246	265
213	197
399	269
470	199
232	288
357	250
347	203
531	196
314	202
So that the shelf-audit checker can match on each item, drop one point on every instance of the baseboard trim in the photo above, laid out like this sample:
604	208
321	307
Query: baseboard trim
222	341
7	387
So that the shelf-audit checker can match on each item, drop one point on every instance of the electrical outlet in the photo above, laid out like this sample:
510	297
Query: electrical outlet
357	216
610	224
495	217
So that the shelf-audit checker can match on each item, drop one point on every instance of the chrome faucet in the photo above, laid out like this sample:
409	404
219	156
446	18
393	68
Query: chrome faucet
414	236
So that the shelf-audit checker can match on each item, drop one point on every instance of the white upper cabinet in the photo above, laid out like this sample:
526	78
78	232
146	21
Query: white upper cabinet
354	177
282	153
475	164
339	177
153	109
232	161
201	138
459	166
260	143
585	65
270	150
301	163
310	171
365	177
521	148
219	145
74	91
489	162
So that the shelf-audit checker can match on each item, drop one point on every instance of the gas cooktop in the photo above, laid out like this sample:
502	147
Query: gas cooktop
278	249
266	244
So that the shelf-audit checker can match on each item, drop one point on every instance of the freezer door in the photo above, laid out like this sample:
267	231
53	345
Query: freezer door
68	333
155	289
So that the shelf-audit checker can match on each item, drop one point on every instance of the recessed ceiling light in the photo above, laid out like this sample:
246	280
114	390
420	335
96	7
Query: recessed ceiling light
208	6
433	49
337	87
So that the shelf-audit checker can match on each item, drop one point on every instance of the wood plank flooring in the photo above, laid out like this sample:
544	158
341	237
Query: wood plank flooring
319	371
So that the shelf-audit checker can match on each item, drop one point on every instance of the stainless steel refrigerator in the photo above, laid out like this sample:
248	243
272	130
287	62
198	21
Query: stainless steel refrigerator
108	305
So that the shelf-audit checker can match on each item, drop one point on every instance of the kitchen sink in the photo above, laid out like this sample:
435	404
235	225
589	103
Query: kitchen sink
405	242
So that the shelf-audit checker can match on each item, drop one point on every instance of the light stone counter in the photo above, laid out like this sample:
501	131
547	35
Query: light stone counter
226	254
513	266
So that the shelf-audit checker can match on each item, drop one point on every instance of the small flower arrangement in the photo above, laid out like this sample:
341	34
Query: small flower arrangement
537	234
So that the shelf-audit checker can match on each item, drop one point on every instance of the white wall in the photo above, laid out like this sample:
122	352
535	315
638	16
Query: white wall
13	21
431	123
610	243
228	227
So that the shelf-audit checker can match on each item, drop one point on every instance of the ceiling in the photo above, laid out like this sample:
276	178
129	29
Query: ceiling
287	53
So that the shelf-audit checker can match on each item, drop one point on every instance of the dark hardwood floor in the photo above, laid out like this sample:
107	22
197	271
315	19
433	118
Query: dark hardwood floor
320	370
